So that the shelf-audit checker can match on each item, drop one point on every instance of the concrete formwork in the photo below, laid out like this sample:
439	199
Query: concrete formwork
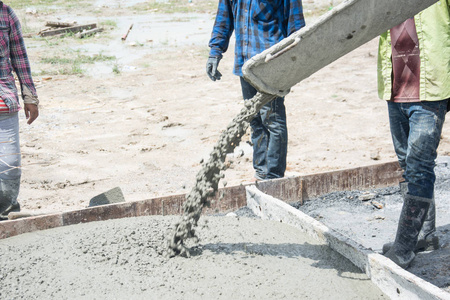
288	189
263	197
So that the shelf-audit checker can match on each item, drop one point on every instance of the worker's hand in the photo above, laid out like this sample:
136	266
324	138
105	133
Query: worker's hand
211	68
31	112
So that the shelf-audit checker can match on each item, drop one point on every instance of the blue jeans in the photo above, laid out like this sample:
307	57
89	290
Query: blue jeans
416	131
269	136
10	167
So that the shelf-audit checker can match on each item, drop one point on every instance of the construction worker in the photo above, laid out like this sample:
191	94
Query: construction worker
13	56
257	24
414	77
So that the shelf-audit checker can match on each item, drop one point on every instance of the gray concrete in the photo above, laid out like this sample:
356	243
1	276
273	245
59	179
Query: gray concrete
237	258
391	279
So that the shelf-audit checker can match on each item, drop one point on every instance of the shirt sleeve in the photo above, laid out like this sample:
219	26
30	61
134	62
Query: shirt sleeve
293	15
222	30
19	59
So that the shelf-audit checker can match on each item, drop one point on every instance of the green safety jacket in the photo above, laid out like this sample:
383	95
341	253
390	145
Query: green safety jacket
433	31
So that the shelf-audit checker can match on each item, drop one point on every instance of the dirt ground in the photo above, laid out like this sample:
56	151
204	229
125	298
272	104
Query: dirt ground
145	114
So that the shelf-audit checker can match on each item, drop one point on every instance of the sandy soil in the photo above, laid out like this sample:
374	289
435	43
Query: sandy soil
146	128
241	258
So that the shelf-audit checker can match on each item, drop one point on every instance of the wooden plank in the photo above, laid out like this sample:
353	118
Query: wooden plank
65	30
86	33
59	24
20	226
311	186
287	189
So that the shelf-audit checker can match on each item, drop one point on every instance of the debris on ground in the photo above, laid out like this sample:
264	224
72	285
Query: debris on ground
124	37
367	196
62	28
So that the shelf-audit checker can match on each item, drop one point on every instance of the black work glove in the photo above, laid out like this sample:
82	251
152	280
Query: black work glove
211	68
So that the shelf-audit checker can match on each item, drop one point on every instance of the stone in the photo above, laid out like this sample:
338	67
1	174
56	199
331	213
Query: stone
114	195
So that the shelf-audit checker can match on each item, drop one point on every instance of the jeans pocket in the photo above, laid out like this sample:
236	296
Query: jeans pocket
436	107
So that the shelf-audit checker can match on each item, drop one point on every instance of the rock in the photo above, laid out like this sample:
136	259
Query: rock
375	155
377	204
114	195
367	196
31	11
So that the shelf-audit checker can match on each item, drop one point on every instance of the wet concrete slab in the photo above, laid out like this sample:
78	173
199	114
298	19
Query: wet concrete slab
370	217
396	282
237	258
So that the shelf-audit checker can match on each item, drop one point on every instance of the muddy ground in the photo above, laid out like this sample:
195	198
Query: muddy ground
141	114
238	258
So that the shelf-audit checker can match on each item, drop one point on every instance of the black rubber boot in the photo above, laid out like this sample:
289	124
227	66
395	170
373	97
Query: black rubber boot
427	239
9	190
411	220
12	208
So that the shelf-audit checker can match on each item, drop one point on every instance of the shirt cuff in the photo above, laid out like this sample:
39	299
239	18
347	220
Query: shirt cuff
28	97
215	53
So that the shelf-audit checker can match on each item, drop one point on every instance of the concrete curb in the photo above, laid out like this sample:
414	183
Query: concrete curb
394	281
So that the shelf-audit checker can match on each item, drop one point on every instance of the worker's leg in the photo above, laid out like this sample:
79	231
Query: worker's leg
425	120
10	161
399	125
260	135
426	124
273	115
260	140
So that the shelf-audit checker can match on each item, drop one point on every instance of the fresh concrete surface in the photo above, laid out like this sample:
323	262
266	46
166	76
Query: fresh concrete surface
391	279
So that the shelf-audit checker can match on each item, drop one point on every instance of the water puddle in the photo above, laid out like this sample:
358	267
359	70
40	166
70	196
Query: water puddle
117	3
151	33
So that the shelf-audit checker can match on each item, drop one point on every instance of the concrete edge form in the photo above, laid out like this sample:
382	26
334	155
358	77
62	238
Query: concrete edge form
390	278
287	189
301	188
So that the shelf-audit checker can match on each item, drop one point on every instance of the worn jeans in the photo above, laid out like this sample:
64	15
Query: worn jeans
269	136
416	131
10	161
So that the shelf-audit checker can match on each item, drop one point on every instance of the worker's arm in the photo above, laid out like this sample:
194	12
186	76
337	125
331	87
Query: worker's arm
222	30
220	38
21	66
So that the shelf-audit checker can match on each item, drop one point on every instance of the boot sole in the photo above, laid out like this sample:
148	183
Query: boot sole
427	245
422	245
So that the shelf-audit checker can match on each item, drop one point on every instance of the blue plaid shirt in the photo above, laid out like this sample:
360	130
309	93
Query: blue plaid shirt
258	25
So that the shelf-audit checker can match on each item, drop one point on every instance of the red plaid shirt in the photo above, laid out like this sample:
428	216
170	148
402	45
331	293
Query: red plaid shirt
13	56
